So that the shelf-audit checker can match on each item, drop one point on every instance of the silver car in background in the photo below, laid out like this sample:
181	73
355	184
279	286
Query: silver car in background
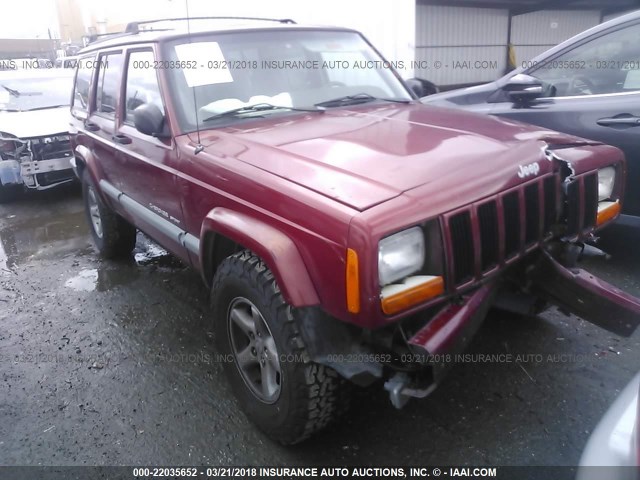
35	152
613	450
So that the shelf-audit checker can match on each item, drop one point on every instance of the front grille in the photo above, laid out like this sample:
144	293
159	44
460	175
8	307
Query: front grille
550	202
532	216
462	239
511	215
49	178
581	205
50	147
506	225
489	245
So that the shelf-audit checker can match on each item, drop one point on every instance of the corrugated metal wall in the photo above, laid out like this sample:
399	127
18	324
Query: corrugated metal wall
606	18
449	37
458	45
533	33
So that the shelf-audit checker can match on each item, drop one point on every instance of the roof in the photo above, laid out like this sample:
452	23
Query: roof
170	29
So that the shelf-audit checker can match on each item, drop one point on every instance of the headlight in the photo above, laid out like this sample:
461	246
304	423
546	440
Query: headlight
606	181
400	255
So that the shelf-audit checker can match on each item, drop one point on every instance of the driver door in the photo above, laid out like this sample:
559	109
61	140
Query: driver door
594	92
148	163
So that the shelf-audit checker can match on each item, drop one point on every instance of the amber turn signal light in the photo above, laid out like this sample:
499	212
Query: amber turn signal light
607	213
353	282
419	293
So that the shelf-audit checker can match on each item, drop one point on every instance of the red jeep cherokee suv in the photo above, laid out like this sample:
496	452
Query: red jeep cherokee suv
349	234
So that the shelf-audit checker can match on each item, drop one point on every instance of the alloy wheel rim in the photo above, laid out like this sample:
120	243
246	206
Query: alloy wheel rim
94	212
254	350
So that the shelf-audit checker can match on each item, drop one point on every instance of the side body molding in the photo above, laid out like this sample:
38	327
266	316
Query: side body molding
275	248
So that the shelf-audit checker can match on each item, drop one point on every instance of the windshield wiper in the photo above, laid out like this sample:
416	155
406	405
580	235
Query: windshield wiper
259	107
357	99
11	91
44	108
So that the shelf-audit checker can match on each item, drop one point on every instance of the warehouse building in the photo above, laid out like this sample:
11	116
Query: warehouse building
466	42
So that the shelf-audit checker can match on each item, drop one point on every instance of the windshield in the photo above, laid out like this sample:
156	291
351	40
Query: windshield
291	69
34	93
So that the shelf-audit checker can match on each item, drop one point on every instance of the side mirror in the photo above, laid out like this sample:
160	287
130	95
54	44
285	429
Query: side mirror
523	88
149	119
422	87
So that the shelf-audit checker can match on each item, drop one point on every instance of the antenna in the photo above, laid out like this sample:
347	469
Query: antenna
199	146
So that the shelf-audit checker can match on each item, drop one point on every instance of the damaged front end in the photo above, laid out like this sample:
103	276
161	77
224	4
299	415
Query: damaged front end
516	250
37	163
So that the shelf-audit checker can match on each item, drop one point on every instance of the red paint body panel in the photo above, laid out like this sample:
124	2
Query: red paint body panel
274	247
453	326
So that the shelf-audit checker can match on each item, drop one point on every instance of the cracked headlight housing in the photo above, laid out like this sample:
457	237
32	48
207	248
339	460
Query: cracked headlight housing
400	255
606	182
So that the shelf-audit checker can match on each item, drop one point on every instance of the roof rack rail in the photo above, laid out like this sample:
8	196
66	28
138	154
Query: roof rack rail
134	27
101	37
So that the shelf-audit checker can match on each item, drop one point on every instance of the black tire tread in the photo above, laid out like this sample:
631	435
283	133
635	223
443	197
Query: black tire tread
323	395
118	235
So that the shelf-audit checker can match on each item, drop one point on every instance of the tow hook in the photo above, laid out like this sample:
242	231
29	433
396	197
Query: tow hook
400	390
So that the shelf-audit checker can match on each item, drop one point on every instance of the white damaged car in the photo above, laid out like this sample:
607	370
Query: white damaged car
34	130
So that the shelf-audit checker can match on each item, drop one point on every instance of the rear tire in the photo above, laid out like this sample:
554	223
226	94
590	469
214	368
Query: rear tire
292	397
113	236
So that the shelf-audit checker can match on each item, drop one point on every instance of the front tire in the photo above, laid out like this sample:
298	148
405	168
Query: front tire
113	236
280	389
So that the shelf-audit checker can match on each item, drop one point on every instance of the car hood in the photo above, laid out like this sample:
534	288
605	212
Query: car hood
367	155
35	123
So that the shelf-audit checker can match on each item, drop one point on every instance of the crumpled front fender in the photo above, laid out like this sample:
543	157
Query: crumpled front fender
586	296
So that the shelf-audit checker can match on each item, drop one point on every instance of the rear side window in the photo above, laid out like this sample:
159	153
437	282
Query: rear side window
142	83
81	90
109	83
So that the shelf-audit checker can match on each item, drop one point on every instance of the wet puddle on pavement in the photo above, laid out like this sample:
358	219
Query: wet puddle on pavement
42	238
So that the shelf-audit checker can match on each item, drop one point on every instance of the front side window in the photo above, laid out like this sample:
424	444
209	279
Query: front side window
292	68
83	83
142	83
607	64
108	89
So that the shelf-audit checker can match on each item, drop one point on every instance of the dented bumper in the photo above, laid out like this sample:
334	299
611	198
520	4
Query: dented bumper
452	328
587	296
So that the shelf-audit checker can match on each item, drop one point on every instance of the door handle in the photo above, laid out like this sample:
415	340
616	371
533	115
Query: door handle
92	127
630	121
121	139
